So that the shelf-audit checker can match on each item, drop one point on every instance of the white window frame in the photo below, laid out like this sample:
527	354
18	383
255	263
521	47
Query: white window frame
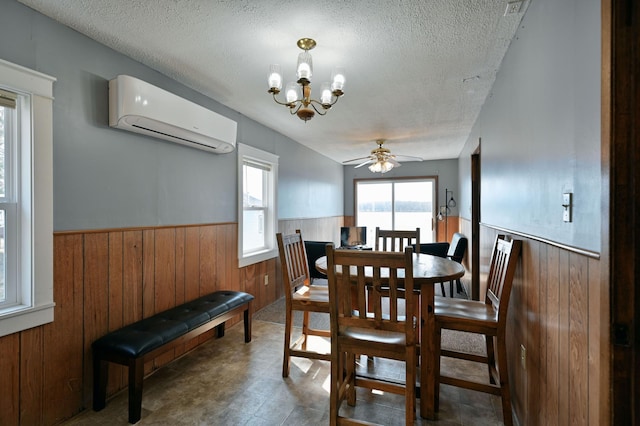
34	303
425	236
248	153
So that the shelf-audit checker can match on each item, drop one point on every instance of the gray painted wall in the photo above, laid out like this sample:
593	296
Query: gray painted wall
109	178
446	170
540	128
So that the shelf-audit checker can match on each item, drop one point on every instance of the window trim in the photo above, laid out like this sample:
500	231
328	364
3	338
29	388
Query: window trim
246	152
36	306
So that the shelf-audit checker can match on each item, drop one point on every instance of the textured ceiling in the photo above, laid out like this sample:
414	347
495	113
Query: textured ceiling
417	71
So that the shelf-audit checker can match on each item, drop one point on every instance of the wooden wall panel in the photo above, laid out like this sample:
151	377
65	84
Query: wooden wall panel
208	262
578	341
192	263
563	341
64	349
164	280
116	299
551	329
531	260
10	385
598	324
148	270
96	300
32	370
192	270
555	312
180	276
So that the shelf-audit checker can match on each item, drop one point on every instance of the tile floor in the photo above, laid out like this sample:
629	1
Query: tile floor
228	382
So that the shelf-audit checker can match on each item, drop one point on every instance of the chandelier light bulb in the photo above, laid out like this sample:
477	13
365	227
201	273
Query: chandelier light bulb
291	93
338	79
275	77
325	94
305	65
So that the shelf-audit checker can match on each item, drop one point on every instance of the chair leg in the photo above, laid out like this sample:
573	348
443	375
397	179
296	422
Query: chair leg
305	329
410	383
350	376
337	376
288	326
338	384
504	381
436	367
491	358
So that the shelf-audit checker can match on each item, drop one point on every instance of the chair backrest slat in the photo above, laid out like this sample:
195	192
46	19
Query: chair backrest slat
392	240
293	258
502	270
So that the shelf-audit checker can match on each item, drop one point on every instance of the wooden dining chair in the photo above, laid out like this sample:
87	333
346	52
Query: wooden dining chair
362	278
393	240
456	252
488	318
300	295
396	241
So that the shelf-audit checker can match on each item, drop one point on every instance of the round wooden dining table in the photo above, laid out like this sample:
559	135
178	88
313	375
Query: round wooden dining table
428	270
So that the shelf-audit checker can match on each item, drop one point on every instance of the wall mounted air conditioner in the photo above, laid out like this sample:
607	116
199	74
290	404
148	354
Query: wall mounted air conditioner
140	107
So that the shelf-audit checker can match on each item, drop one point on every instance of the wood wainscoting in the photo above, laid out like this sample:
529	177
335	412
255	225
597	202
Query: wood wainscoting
104	280
559	313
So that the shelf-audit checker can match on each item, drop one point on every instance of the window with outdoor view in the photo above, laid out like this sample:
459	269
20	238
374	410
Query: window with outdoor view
257	221
26	198
398	204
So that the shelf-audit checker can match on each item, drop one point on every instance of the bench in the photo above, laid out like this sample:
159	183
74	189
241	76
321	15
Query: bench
144	340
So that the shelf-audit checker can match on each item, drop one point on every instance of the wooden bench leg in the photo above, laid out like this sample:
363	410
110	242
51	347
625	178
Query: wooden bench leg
247	323
136	375
219	331
100	374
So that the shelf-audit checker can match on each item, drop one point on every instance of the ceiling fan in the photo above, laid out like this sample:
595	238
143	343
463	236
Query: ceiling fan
381	159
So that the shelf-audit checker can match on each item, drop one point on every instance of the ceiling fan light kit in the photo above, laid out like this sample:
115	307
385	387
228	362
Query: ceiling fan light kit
381	159
298	94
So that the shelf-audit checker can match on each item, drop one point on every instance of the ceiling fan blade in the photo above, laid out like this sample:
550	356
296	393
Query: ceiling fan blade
370	160
408	158
356	159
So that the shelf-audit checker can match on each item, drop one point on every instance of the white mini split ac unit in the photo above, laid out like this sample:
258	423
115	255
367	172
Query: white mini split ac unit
140	107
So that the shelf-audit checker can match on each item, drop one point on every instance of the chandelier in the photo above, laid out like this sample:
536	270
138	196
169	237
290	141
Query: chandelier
298	94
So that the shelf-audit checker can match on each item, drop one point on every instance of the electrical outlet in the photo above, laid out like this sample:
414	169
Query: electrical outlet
523	357
266	279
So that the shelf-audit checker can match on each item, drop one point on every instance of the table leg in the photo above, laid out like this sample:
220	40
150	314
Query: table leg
427	355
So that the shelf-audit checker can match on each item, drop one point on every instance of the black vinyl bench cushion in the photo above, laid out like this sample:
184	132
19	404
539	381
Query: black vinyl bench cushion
150	333
136	343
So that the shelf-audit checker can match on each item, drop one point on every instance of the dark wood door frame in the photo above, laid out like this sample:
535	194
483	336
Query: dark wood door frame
621	209
475	223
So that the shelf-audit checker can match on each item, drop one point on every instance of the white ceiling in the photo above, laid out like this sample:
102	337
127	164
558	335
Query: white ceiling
418	71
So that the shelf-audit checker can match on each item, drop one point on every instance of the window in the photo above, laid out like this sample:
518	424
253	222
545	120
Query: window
398	204
26	199
257	218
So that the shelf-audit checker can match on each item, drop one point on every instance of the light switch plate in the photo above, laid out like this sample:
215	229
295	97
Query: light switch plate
568	207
